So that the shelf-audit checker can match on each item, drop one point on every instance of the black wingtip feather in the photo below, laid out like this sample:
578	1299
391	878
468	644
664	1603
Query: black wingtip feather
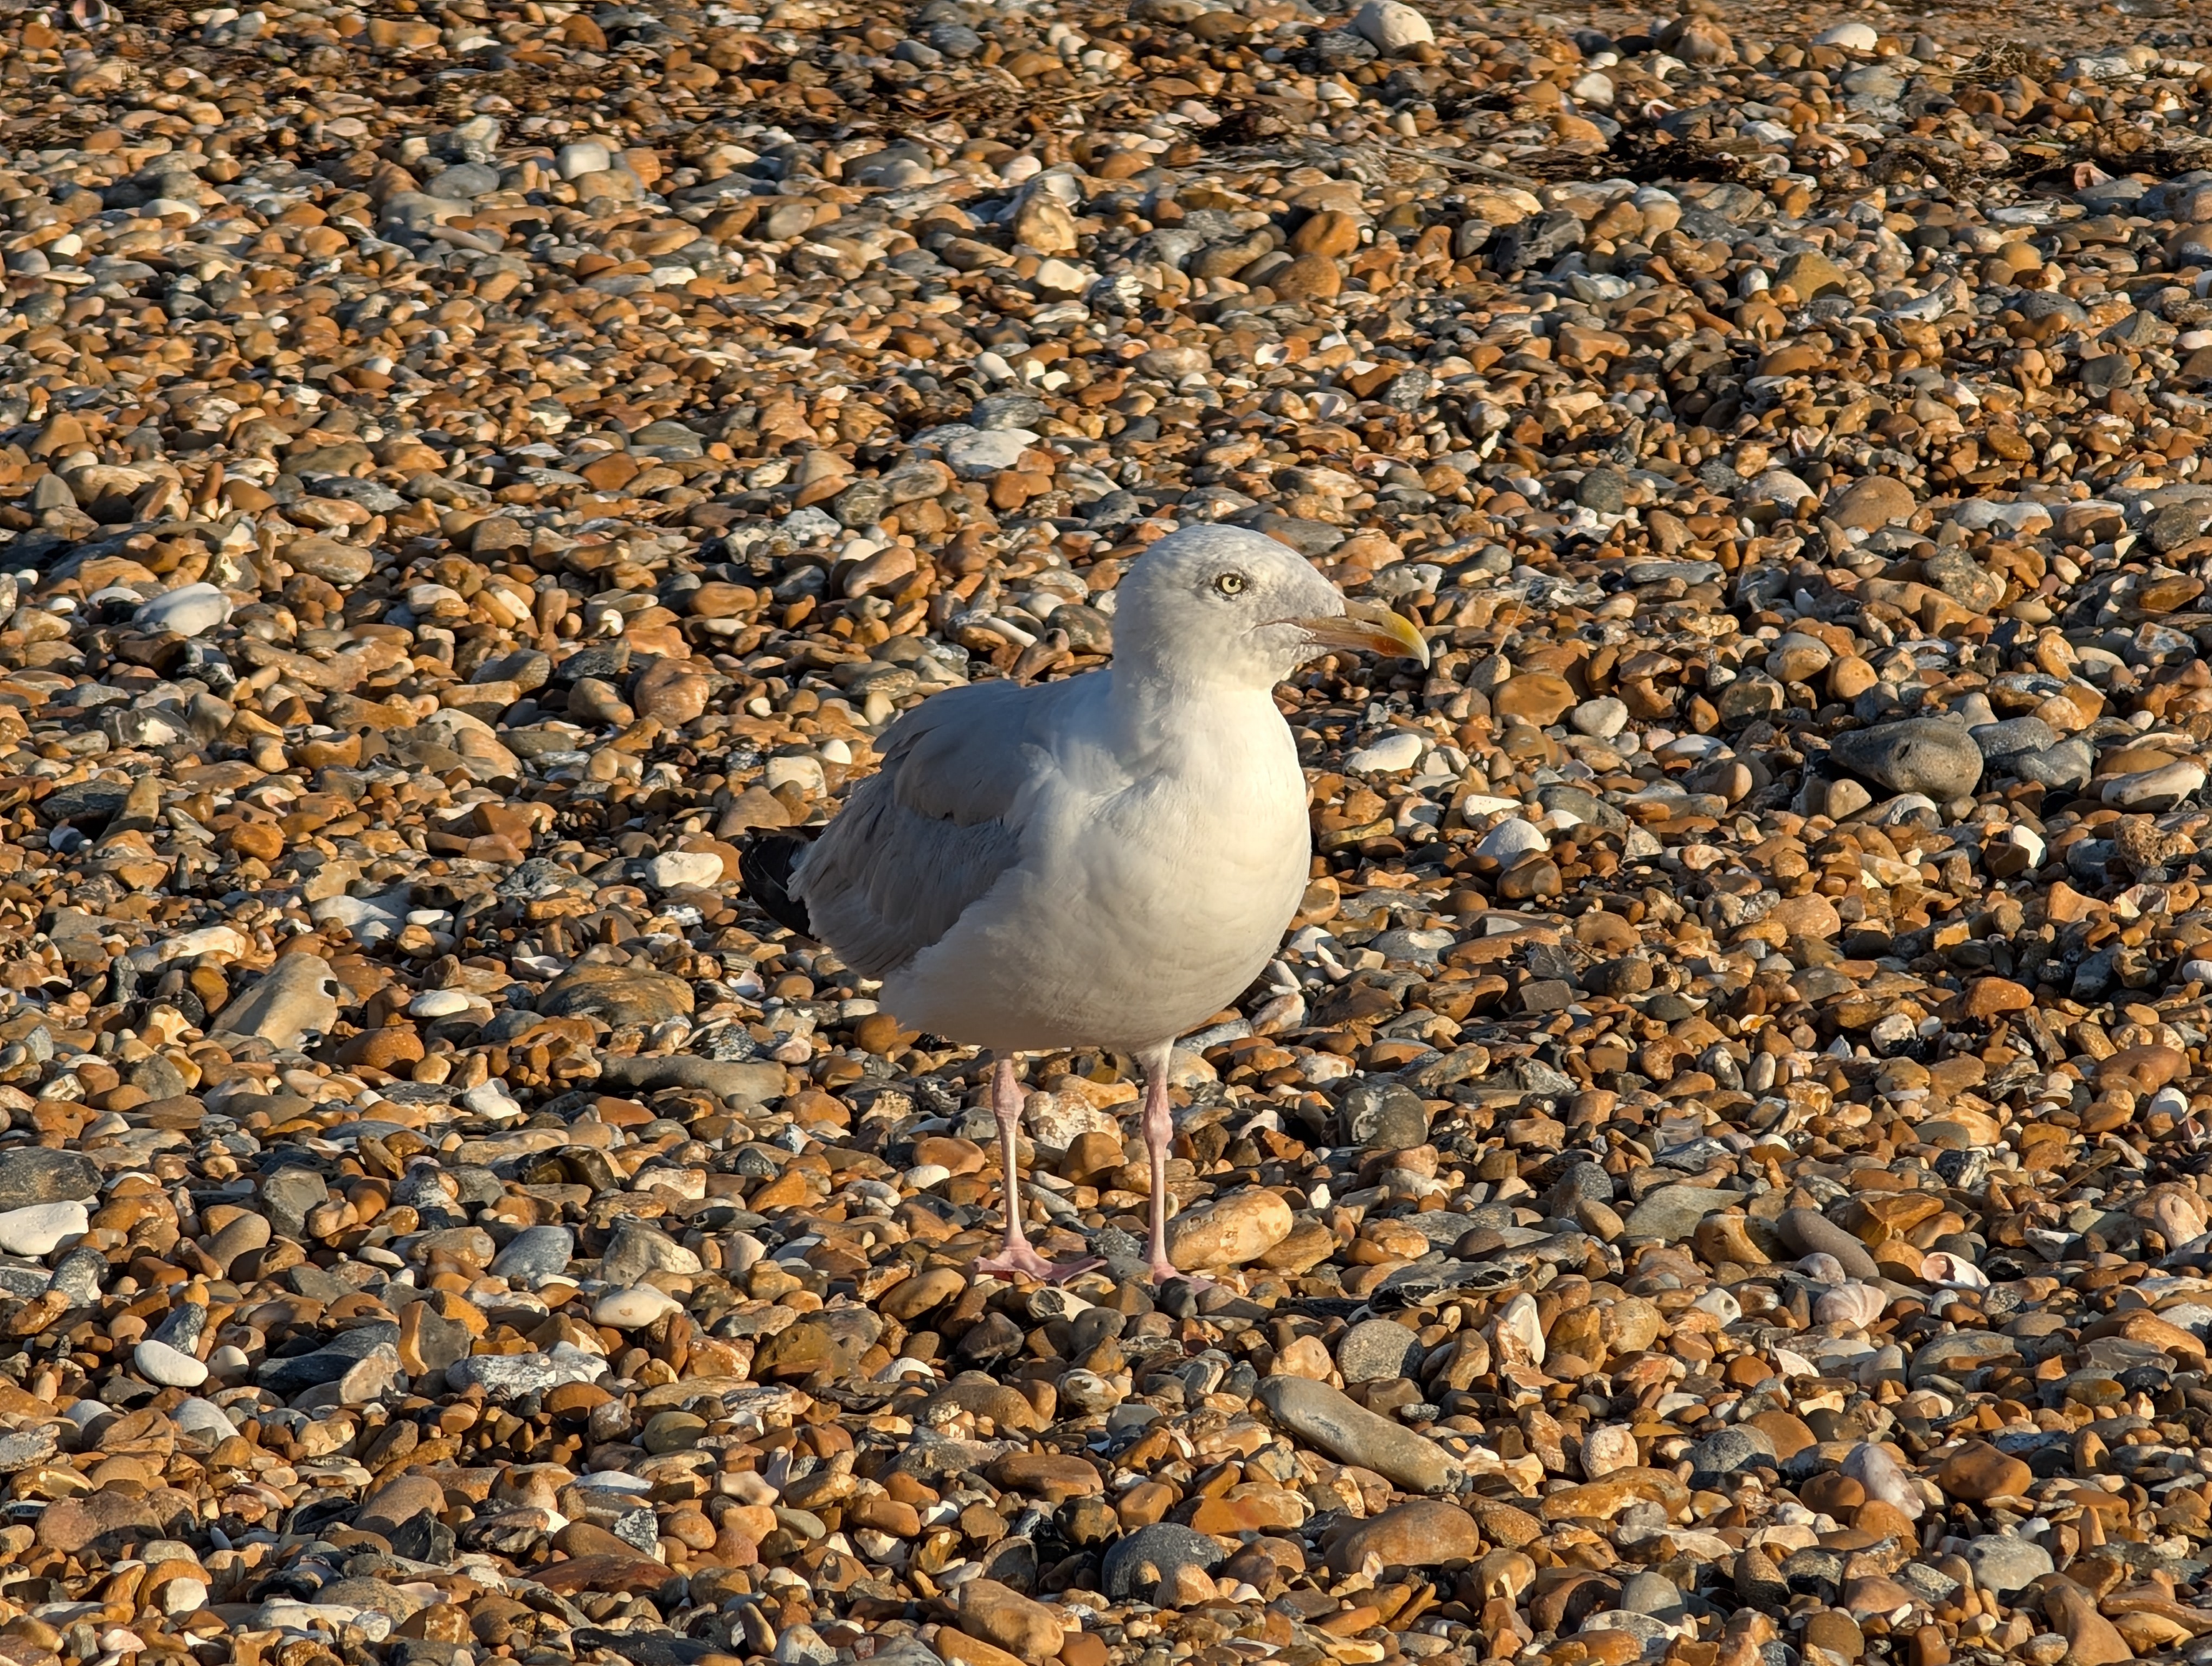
764	863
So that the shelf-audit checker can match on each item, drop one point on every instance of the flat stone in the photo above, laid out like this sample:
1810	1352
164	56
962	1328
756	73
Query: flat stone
535	1256
191	610
1350	1433
618	994
1229	1231
1424	1533
34	1176
40	1228
1672	1212
2003	1563
291	1001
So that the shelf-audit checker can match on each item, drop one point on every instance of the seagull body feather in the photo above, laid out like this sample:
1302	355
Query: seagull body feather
1102	861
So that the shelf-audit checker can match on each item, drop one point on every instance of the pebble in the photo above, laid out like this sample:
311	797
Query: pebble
1229	1231
681	870
38	1229
1851	37
35	1176
190	610
1927	755
1141	1562
291	1001
1377	1350
1422	1533
171	1368
1391	26
1394	753
1810	1232
535	1256
631	1310
1352	1434
2006	1563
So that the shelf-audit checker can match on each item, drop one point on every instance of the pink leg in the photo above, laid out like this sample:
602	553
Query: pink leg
1159	1134
1016	1255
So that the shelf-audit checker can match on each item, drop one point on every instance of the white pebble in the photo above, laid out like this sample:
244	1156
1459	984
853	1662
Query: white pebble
173	1368
1875	1469
585	156
1601	719
36	1230
1510	841
208	940
1851	37
678	870
802	772
491	1098
1391	27
1519	1334
632	1309
188	611
1393	753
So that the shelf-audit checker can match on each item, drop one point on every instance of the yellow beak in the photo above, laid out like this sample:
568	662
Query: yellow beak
1369	627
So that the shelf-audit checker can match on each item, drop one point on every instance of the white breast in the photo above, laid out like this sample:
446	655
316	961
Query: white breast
1149	897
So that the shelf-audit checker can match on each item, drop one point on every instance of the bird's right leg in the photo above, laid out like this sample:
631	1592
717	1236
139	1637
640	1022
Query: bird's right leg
1015	1255
1159	1123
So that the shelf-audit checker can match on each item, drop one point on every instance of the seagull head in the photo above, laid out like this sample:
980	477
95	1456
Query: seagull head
1221	603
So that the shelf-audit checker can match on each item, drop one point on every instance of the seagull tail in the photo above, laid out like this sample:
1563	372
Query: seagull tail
766	863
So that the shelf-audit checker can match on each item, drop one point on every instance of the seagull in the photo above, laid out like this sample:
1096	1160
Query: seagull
1101	861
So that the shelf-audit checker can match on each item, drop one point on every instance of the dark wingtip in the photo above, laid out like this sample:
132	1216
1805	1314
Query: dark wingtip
765	862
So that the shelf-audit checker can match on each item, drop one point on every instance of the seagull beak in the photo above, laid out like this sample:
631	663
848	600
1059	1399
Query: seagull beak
1369	626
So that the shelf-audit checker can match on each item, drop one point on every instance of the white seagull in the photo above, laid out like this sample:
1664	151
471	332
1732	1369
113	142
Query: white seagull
1104	861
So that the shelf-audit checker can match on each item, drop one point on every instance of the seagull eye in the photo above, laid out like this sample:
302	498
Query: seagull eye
1230	584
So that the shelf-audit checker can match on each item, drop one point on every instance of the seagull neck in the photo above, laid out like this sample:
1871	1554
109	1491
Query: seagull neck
1147	698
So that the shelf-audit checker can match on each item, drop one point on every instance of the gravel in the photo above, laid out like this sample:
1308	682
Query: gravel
1717	1167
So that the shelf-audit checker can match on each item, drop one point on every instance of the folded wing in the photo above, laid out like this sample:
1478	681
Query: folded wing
930	833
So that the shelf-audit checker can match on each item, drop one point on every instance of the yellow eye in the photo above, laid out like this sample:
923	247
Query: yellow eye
1230	584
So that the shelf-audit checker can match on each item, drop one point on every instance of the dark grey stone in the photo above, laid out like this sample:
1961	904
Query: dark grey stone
1926	754
535	1254
1377	1350
80	1275
1718	1455
1134	1563
288	1195
1382	1116
2013	736
2069	764
1810	1232
37	1174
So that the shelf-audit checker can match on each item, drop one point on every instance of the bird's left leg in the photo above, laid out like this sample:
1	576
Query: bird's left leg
1016	1255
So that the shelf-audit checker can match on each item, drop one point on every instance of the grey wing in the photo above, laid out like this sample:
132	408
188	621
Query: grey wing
929	833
